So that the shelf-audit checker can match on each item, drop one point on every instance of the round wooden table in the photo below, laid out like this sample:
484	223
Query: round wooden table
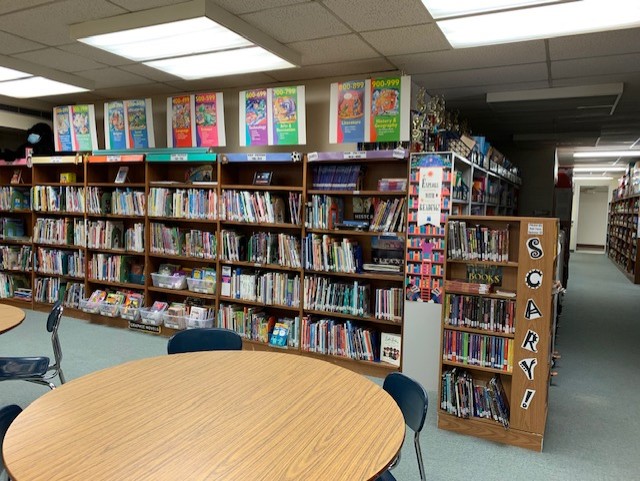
10	317
226	415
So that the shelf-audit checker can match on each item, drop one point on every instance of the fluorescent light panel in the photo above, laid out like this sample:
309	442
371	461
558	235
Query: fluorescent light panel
454	8
546	21
36	87
595	154
218	64
11	74
592	177
183	37
599	169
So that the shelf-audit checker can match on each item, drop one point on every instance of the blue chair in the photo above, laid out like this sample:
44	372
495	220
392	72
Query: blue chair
413	401
207	339
37	369
7	415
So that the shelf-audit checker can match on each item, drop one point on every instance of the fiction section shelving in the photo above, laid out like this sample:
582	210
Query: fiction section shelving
622	235
497	327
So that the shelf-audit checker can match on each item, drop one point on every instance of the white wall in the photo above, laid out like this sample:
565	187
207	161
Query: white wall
575	212
592	218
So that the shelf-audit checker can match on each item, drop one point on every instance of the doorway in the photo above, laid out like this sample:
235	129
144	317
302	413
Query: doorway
592	219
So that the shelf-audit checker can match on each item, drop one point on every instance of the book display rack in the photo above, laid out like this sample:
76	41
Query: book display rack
622	235
497	327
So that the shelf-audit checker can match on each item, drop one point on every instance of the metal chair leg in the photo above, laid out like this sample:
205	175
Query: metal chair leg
416	442
61	375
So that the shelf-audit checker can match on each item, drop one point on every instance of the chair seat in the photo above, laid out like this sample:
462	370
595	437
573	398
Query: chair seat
386	476
23	367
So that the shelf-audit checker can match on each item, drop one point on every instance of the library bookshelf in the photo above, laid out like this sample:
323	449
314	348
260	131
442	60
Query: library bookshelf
488	335
622	235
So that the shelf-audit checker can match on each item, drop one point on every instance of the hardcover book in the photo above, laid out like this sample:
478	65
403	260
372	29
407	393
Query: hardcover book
390	348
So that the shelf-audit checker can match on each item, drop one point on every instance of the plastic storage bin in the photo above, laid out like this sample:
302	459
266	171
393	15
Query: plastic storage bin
203	286
90	307
174	322
152	318
199	323
109	310
130	313
169	282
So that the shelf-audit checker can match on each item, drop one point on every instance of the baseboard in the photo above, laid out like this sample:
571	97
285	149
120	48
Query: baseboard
589	246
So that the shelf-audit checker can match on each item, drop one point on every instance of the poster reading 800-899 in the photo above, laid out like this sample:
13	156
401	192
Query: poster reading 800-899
370	110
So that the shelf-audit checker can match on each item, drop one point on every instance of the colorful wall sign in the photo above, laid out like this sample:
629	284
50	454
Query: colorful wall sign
429	196
196	120
74	128
128	124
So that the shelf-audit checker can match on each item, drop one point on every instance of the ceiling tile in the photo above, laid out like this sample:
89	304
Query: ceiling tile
13	44
480	91
471	58
356	67
59	59
333	49
613	64
246	6
95	54
135	91
482	76
378	14
134	5
595	44
112	77
77	98
415	39
246	80
7	6
299	22
49	23
149	73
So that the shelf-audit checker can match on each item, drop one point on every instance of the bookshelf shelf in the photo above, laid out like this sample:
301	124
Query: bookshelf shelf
115	251
59	246
262	225
258	265
351	317
182	292
355	193
62	184
520	393
16	211
15	241
361	275
202	260
125	285
347	233
181	219
248	302
45	213
116	216
183	185
271	188
61	276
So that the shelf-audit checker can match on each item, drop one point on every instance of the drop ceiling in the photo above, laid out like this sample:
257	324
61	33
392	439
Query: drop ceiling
357	37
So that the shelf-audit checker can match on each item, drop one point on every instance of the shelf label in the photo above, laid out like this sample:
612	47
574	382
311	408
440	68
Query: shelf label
399	153
355	155
56	160
535	229
312	156
528	365
256	157
114	158
138	326
179	157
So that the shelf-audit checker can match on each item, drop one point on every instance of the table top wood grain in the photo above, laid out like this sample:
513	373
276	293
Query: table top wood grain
225	415
10	317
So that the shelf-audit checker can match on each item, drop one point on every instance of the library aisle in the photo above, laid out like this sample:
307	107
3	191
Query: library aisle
593	428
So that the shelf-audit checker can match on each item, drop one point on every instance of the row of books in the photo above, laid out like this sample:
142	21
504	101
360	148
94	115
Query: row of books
46	198
118	202
60	262
14	286
13	228
12	198
179	241
261	247
183	203
73	294
108	267
15	258
478	350
338	177
388	215
325	212
390	304
325	253
266	287
323	294
466	287
113	235
252	207
465	397
496	315
477	242
47	289
339	338
255	324
59	231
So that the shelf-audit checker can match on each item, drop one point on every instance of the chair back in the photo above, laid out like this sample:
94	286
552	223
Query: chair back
411	398
208	339
53	322
7	415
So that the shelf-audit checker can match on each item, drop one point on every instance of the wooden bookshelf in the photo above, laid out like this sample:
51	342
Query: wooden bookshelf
622	236
532	245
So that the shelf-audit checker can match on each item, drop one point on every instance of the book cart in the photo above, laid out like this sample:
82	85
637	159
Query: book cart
496	343
622	236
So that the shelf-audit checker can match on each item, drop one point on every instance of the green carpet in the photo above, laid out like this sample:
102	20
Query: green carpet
593	428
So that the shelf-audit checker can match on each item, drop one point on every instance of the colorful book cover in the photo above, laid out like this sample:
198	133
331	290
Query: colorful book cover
208	112
83	128
390	104
254	117
62	129
349	112
288	124
179	132
114	132
139	124
390	348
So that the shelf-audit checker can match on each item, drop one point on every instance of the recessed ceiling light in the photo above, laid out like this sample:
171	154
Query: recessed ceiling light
546	21
218	64
11	74
36	87
596	154
599	169
592	177
449	8
184	37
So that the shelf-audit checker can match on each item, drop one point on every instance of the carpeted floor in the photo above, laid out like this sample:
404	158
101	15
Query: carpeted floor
593	428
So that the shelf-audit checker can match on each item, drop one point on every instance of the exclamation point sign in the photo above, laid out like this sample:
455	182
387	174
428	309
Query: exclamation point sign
526	399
